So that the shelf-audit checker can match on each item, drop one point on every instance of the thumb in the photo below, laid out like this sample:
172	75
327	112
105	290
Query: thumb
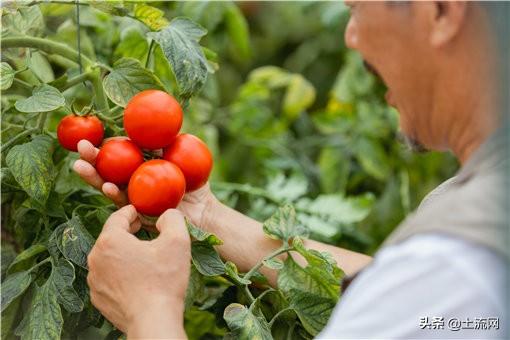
172	228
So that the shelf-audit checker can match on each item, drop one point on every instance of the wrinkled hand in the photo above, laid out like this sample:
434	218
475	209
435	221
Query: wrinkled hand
138	285
194	204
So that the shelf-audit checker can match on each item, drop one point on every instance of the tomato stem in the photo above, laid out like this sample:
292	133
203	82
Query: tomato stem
76	80
16	138
47	46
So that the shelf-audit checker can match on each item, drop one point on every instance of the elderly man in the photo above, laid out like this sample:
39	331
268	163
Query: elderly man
446	261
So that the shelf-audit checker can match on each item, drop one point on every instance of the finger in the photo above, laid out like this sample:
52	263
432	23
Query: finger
88	152
115	194
172	227
88	173
124	219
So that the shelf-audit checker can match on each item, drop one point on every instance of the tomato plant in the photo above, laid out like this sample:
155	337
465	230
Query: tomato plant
117	160
298	129
157	185
72	129
193	157
152	118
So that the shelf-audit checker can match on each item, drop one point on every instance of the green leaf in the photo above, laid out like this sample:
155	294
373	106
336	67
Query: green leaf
287	189
20	262
238	32
273	263
299	96
201	235
179	42
62	278
272	76
282	225
44	318
313	311
201	324
195	287
372	157
244	324
32	167
41	68
6	75
27	20
127	78
133	45
113	7
8	254
13	286
73	241
233	273
313	279
206	259
152	17
44	98
317	259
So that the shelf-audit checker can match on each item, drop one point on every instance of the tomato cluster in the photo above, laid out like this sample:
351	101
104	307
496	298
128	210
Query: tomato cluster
152	121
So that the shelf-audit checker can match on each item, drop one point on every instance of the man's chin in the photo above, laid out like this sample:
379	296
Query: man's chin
412	143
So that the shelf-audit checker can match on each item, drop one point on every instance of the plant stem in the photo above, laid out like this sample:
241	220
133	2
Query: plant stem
277	315
41	121
100	97
277	252
76	80
46	260
47	46
23	84
249	295
63	2
149	52
19	136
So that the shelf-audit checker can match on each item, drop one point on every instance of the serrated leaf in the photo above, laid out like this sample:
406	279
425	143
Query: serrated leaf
179	42
273	263
206	259
282	225
27	20
201	235
299	96
44	318
73	241
25	255
152	17
6	75
288	189
133	45
313	311
311	279
114	7
244	324
337	208
195	287
13	286
321	260
233	273
127	78
32	167
62	278
44	98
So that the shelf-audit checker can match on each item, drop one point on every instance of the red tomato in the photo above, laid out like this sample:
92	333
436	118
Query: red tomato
117	160
157	185
193	157
152	118
73	129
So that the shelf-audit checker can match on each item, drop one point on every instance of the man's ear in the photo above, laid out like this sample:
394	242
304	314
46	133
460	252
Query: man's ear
446	20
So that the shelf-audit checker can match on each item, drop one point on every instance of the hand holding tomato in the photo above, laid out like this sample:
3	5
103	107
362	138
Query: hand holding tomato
194	205
138	285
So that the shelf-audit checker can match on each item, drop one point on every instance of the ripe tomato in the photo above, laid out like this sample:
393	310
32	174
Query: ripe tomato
72	129
152	118
117	160
193	157
157	185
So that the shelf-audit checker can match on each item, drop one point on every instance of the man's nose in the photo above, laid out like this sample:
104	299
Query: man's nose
350	35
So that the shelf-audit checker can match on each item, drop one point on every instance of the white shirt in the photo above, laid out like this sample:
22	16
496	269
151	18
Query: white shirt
426	276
